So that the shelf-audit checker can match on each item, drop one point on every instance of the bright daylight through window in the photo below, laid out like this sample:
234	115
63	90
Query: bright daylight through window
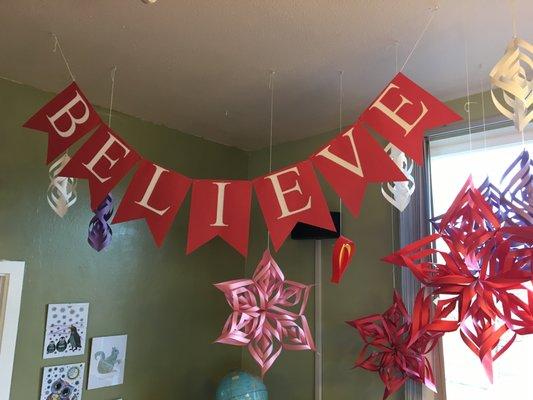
451	163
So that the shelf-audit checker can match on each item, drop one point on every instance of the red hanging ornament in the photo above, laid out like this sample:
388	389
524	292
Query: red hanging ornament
343	251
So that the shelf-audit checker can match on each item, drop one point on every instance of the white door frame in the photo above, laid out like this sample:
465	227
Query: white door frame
12	274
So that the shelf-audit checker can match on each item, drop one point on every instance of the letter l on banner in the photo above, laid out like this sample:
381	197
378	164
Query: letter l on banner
155	194
289	196
66	118
220	208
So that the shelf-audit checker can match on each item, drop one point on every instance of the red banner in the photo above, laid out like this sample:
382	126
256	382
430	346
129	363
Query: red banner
289	196
66	118
351	161
155	194
403	112
103	160
220	208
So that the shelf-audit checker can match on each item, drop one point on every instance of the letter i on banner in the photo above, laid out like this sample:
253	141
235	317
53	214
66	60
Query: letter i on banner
156	194
351	161
289	196
220	208
103	160
403	112
66	118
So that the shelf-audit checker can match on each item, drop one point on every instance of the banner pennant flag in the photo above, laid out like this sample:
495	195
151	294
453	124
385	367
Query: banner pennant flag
103	160
289	196
403	112
351	161
220	208
155	194
66	118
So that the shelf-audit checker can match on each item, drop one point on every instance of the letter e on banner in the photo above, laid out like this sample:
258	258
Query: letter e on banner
103	160
155	194
66	118
289	196
351	161
220	208
403	112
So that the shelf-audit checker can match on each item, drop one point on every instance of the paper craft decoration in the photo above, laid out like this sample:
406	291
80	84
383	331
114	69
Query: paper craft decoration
66	330
156	194
396	346
61	192
66	118
268	314
289	196
403	112
100	232
513	74
480	273
103	160
399	193
351	161
220	208
516	198
108	358
63	382
343	252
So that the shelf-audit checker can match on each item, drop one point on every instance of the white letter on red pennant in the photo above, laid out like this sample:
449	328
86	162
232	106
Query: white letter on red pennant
403	112
352	160
103	160
156	194
220	208
66	118
289	196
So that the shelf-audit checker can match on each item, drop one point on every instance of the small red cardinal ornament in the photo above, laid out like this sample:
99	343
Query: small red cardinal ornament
343	251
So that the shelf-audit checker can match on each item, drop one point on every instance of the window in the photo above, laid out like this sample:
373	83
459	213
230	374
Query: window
451	162
11	276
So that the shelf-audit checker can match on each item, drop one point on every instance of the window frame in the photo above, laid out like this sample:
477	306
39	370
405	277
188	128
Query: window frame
413	224
13	278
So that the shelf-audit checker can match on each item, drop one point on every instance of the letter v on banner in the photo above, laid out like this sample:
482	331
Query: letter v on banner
351	161
289	196
66	118
156	194
103	160
403	112
220	208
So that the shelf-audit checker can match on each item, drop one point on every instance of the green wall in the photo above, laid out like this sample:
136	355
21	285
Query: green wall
161	298
365	289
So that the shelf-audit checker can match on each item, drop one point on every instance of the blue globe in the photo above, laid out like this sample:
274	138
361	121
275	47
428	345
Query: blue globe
241	386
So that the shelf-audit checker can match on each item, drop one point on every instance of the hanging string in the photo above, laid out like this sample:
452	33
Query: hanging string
393	246
513	16
396	50
483	111
341	95
271	87
57	46
113	74
467	105
428	23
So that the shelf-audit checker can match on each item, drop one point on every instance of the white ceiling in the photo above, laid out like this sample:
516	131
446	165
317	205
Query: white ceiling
202	66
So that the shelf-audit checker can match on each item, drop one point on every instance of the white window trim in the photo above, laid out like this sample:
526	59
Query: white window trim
13	273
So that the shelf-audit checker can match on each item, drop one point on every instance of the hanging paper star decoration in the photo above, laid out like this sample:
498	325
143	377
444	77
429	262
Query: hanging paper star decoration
517	195
399	193
100	232
513	74
268	314
396	345
61	192
481	277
